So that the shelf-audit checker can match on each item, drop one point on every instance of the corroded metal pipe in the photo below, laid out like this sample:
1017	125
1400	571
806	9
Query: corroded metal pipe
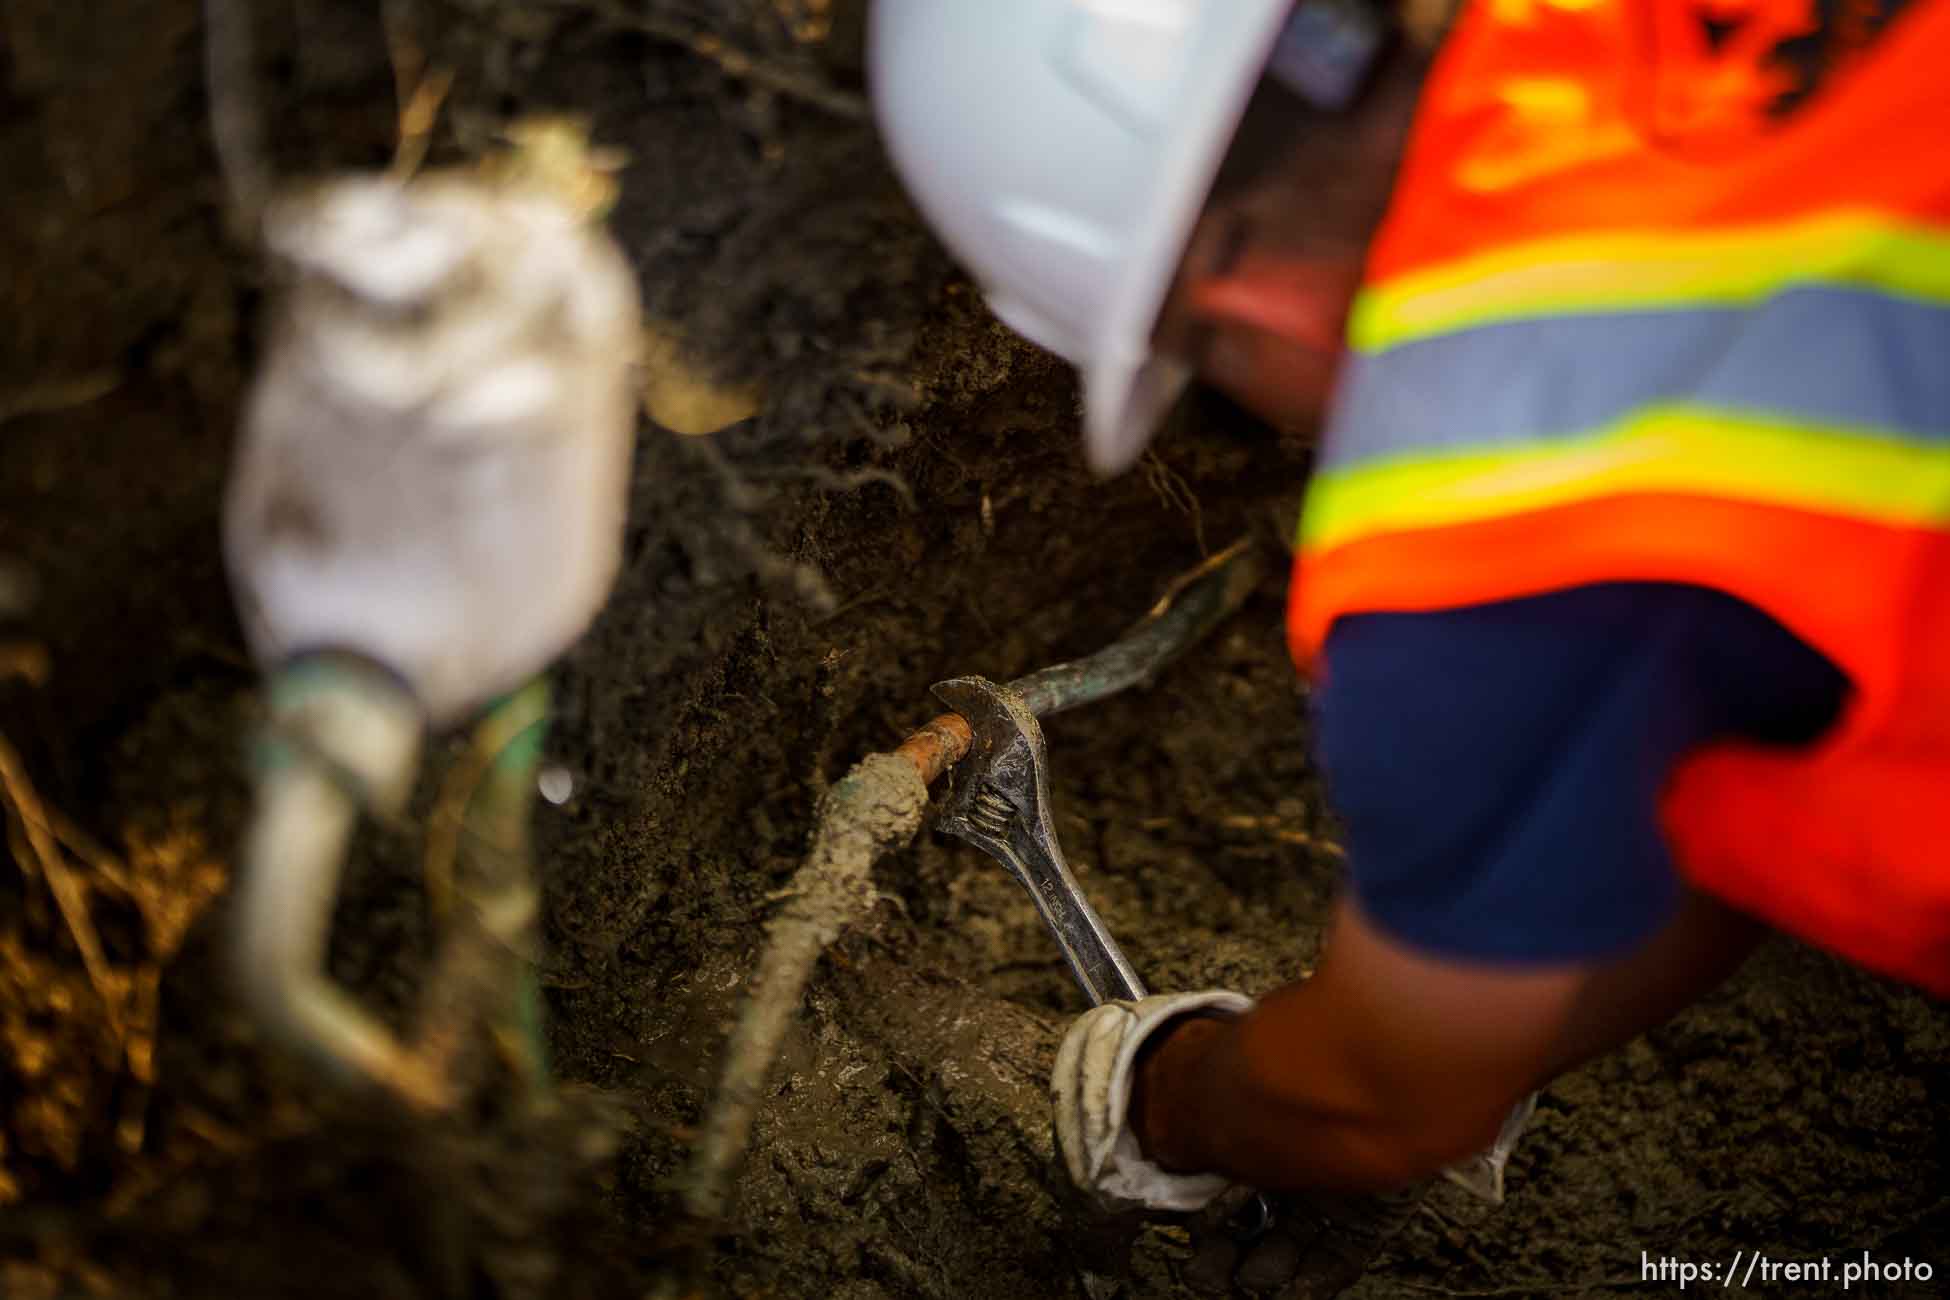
1192	606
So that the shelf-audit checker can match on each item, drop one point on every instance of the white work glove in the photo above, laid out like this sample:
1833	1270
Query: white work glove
1092	1086
1482	1174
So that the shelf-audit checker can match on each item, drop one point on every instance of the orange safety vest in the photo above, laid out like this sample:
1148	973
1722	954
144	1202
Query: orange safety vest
1647	306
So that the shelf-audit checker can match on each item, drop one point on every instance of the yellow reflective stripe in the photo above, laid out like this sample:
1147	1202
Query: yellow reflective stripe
1649	269
1672	448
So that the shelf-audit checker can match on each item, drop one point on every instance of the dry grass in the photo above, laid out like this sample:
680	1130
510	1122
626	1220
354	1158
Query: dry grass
79	1020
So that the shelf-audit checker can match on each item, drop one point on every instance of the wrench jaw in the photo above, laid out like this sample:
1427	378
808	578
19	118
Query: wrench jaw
1001	786
1003	781
1007	746
989	824
1001	805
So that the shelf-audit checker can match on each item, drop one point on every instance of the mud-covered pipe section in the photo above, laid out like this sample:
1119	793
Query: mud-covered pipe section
874	808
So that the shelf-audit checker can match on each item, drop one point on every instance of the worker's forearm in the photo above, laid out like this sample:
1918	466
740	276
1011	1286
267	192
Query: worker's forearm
1277	1100
1697	950
1390	1064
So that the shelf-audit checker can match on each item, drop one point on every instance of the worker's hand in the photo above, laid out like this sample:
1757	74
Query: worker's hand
1095	1069
1315	1245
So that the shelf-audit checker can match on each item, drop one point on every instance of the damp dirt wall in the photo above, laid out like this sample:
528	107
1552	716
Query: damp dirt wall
910	506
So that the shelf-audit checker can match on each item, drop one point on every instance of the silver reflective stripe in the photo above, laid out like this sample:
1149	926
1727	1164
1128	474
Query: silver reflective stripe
1846	359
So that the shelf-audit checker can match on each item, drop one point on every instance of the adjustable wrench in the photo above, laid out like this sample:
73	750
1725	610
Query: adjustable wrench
1001	806
1001	799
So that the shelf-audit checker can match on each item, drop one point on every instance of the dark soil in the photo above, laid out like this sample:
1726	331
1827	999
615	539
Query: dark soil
909	507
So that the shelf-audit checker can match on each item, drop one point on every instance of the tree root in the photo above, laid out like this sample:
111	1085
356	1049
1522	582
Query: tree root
236	114
779	79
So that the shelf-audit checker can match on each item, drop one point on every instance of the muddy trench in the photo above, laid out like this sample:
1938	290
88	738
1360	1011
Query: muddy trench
910	505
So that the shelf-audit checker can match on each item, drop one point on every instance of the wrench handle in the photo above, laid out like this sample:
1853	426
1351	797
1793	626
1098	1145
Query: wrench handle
1100	967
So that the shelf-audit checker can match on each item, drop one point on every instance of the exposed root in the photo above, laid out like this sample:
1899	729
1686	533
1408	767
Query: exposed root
51	396
80	1064
889	438
805	582
420	90
849	481
31	840
810	21
1176	493
171	879
874	808
236	117
739	65
901	392
1275	827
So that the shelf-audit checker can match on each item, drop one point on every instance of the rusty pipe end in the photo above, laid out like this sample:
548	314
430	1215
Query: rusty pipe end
936	746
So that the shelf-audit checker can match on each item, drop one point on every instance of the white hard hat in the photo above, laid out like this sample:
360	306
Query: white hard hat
1063	150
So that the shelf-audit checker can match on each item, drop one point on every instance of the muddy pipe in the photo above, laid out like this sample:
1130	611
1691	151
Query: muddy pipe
1192	606
876	808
